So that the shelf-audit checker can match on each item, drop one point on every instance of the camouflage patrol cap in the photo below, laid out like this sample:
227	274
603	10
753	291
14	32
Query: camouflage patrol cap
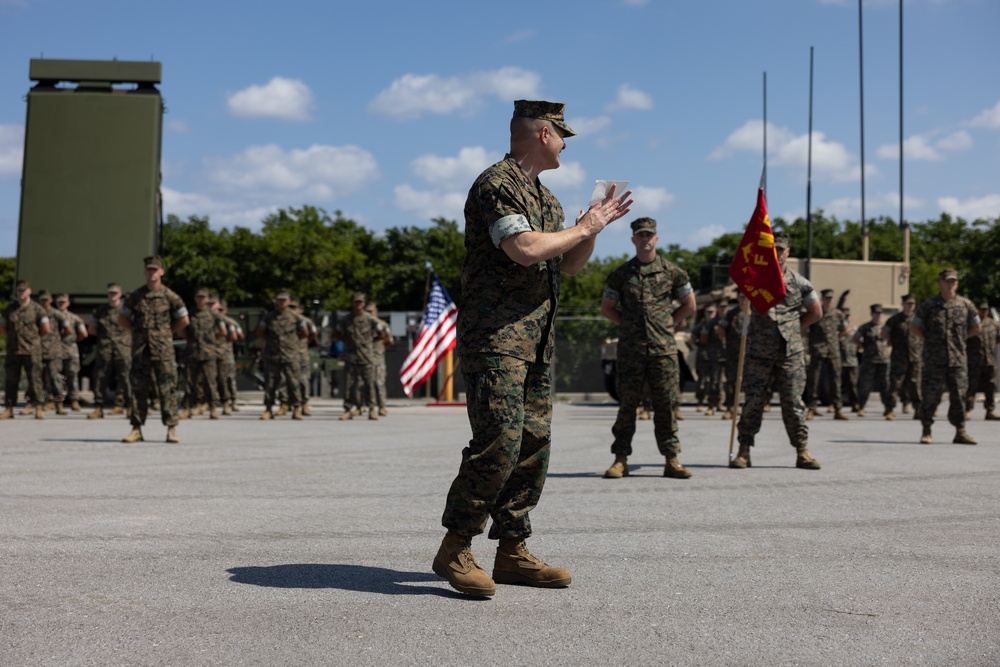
550	111
984	305
358	296
282	295
44	295
643	225
827	293
781	240
948	274
876	307
62	298
202	292
153	262
909	298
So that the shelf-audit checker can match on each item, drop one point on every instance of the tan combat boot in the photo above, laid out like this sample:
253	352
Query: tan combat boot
184	414
742	459
991	416
804	461
117	410
925	439
98	413
74	406
839	415
236	408
356	411
906	409
861	412
306	410
962	437
454	561
677	414
198	410
267	414
709	411
674	469
889	415
28	409
347	415
226	409
134	436
618	469
282	410
49	405
728	414
172	434
382	412
810	413
373	413
213	413
296	412
514	564
8	413
39	413
60	409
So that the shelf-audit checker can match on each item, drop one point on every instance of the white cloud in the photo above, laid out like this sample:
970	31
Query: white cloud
584	126
884	203
454	172
221	212
430	204
286	99
11	150
631	98
650	200
989	118
318	172
830	159
924	147
987	207
701	237
412	94
568	175
178	126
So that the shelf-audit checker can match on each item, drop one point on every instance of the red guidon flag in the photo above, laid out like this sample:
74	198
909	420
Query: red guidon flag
755	267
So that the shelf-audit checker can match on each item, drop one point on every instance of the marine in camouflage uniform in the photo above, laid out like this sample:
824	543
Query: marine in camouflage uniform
359	330
53	382
281	329
154	314
305	372
228	371
516	247
701	357
775	352
904	360
874	370
75	331
849	363
824	356
983	363
731	326
945	322
25	323
639	296
382	341
203	354
114	354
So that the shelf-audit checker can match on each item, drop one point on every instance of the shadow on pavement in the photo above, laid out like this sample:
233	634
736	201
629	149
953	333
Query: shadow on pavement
346	577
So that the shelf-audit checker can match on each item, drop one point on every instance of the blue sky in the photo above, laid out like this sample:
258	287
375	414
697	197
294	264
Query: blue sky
387	111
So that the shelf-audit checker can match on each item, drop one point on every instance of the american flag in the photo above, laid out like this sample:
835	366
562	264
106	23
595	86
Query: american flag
435	339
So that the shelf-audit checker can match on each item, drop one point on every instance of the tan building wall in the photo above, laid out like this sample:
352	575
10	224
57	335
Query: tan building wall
869	282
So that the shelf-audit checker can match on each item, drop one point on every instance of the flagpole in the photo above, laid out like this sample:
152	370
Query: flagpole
739	375
423	309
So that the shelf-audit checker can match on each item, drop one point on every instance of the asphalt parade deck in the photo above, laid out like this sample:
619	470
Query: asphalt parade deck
310	542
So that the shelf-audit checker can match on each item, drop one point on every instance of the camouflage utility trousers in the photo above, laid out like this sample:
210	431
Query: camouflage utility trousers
817	366
935	380
873	376
32	365
904	383
360	386
112	364
504	467
982	377
285	373
662	377
788	376
145	374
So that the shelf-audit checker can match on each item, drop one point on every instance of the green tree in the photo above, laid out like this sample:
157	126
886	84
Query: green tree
403	266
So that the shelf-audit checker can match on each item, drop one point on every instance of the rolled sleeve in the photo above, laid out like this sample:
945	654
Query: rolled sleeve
507	226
